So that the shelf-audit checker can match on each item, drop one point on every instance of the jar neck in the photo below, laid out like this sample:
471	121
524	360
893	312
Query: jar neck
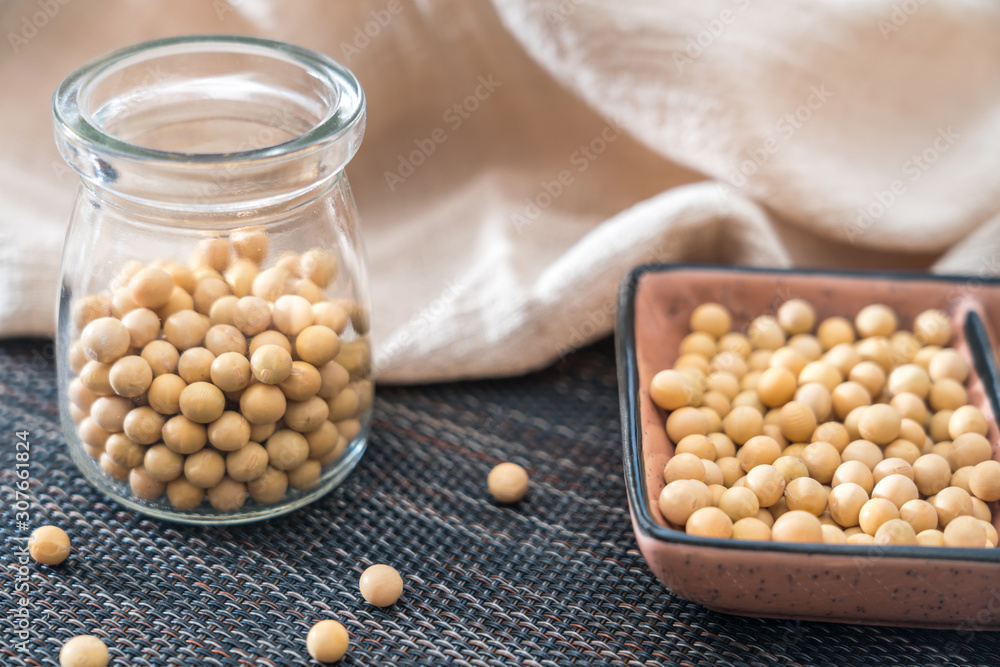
217	217
209	125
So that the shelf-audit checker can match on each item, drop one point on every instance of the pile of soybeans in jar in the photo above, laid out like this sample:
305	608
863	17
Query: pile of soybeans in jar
219	380
836	431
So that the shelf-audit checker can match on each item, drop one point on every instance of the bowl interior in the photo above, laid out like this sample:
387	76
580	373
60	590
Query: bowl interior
664	300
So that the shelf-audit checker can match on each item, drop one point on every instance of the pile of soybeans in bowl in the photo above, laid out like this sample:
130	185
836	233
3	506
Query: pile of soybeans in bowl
835	431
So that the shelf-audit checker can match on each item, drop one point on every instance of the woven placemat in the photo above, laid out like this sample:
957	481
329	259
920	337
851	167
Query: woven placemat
555	580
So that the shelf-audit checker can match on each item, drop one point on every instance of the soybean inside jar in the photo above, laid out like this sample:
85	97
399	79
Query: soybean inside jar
213	340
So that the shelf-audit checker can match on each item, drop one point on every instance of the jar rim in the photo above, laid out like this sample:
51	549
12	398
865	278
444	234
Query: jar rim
345	118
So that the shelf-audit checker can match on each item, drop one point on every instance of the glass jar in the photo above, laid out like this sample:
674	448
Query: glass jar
213	322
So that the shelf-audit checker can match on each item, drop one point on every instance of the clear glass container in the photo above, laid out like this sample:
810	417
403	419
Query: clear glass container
213	321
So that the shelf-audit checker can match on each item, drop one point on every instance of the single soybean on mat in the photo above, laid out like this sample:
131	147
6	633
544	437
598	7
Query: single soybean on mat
553	580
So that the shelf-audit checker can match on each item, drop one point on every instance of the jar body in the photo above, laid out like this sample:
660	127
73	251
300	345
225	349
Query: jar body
213	348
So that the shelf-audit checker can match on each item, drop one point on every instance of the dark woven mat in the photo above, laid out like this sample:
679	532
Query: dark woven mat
555	581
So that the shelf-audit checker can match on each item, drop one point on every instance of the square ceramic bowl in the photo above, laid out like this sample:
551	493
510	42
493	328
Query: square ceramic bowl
900	585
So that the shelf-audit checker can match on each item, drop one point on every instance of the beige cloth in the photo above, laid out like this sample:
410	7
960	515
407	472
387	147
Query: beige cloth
606	133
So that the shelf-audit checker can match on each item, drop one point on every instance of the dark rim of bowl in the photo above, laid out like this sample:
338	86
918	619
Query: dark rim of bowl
984	362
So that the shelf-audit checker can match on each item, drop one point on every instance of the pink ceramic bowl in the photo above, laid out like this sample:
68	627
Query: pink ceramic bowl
899	585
